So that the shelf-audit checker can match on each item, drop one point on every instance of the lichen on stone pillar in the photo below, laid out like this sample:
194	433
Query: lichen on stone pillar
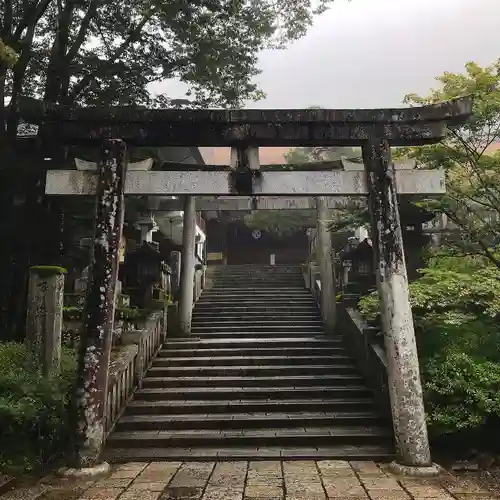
44	316
95	346
405	388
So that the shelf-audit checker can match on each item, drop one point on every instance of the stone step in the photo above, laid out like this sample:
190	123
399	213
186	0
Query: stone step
255	284
251	360
256	292
250	370
256	342
201	354
300	436
257	381
258	393
358	452
265	308
244	302
257	323
229	421
210	407
252	316
262	334
267	330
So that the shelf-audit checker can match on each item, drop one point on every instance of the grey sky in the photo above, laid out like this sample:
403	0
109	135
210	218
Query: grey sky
370	53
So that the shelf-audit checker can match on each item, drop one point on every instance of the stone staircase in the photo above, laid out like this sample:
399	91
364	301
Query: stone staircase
259	379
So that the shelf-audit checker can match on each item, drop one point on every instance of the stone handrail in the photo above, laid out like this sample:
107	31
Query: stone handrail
364	341
130	363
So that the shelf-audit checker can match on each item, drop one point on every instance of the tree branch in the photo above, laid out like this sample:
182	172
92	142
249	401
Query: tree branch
83	31
7	20
32	15
87	79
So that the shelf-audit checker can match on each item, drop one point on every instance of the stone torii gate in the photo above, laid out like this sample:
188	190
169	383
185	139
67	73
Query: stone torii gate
245	130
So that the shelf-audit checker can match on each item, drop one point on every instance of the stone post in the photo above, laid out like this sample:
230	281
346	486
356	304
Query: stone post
176	264
95	346
405	389
187	267
325	263
44	318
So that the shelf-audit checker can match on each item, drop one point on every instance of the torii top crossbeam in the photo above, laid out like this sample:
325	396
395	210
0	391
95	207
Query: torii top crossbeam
310	127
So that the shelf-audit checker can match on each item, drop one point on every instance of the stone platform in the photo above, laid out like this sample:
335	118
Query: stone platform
322	480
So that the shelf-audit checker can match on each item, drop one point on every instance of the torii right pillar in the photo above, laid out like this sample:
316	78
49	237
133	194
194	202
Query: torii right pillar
405	389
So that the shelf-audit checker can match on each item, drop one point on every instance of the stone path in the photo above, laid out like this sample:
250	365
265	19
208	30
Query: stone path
308	480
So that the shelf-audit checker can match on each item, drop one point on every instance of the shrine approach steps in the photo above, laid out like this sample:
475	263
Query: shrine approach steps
258	379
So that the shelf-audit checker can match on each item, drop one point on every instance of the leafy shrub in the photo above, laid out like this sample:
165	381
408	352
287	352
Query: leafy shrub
33	409
456	311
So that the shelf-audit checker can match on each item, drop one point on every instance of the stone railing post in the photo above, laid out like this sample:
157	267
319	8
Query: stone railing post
44	318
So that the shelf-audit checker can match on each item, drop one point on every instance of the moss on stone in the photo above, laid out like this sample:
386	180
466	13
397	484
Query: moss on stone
48	270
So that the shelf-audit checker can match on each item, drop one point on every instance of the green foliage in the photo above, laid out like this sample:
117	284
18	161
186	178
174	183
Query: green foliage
281	222
468	156
111	52
286	222
8	55
125	314
33	409
456	310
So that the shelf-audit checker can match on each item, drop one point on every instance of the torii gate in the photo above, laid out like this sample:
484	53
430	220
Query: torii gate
244	131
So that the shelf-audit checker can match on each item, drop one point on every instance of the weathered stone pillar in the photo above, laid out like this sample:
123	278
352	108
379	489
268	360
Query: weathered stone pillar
176	263
325	263
95	346
403	368
187	266
44	318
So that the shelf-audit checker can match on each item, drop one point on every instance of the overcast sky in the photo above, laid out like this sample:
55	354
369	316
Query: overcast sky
370	53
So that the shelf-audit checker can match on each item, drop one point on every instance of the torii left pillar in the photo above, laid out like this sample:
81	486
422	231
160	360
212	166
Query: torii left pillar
95	346
187	265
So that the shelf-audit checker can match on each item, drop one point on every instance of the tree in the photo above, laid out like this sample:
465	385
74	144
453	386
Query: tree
468	156
456	310
92	51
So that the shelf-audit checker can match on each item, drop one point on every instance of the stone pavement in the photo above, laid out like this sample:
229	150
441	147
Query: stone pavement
306	480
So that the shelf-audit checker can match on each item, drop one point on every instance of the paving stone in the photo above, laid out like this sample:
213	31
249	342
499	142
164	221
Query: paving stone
114	482
193	475
341	483
263	491
473	496
140	495
158	472
28	493
365	467
388	495
158	486
181	493
131	466
226	474
271	467
127	473
102	494
218	493
61	494
427	491
463	486
380	483
347	490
